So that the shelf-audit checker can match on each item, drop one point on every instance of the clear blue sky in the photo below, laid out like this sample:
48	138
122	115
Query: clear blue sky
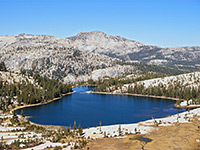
166	23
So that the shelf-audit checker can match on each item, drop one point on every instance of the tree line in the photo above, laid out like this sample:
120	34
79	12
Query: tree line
103	85
173	90
42	90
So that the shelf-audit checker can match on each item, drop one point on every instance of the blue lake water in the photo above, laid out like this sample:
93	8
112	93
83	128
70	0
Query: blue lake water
89	109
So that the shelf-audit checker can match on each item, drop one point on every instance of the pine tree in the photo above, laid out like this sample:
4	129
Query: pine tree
80	130
119	129
100	125
104	133
74	126
14	114
3	66
22	113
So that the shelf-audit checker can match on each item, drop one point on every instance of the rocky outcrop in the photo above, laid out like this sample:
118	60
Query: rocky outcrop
119	47
54	58
86	55
100	73
99	42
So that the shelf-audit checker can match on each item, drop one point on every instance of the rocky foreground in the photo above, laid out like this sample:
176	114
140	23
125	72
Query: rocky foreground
16	131
177	136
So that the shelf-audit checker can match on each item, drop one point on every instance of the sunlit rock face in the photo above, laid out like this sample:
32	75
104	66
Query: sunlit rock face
87	55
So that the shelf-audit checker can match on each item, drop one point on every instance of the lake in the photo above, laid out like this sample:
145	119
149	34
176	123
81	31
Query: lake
89	109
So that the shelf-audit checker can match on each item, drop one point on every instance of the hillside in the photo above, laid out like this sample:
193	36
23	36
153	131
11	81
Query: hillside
188	80
92	55
21	88
181	87
119	47
52	57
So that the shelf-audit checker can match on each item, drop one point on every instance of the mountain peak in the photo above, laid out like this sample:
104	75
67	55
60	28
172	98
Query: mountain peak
90	32
99	35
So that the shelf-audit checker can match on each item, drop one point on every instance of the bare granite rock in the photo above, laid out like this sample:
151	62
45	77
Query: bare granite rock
87	55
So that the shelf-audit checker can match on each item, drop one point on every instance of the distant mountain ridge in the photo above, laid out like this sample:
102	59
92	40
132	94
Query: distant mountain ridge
99	42
112	46
119	47
87	55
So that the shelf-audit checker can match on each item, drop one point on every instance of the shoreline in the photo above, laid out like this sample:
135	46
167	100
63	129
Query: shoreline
38	104
84	85
143	127
57	126
151	96
139	95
